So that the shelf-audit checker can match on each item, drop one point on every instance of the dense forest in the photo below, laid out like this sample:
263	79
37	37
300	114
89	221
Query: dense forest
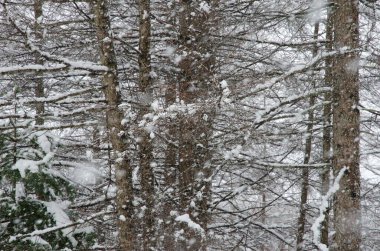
189	125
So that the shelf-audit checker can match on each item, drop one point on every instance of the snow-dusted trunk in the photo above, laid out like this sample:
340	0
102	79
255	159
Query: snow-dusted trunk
307	156
145	143
123	169
39	87
196	85
305	179
170	173
326	141
347	214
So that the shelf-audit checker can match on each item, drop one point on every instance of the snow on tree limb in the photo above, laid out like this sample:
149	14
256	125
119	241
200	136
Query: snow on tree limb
57	228
185	218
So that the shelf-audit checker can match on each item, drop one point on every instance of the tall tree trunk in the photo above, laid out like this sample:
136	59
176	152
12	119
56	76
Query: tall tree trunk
196	85
145	144
170	172
326	141
305	171
123	169
305	180
347	214
39	88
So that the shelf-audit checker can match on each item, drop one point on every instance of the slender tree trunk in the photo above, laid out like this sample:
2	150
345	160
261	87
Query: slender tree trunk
305	180
170	173
347	210
305	171
326	141
123	169
145	143
39	88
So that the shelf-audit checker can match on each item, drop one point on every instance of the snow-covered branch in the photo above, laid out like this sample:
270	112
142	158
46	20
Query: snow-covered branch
59	227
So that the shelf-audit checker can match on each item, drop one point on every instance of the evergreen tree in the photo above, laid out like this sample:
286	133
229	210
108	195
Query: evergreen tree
34	195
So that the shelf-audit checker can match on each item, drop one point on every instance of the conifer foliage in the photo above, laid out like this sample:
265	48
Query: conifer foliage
34	196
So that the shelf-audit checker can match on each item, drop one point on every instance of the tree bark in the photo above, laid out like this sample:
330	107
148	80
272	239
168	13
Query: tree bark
196	86
308	152
123	169
145	143
39	88
326	141
347	214
170	172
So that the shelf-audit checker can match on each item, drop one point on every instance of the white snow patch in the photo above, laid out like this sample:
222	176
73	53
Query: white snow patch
322	209
86	174
185	218
122	218
19	190
204	6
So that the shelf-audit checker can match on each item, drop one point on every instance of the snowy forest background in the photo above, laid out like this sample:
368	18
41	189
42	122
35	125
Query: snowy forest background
189	125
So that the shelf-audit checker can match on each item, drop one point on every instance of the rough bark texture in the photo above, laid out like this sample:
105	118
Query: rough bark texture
196	85
347	214
114	115
145	143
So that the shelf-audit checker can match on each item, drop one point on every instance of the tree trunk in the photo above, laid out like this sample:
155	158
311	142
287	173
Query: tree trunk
305	180
326	141
305	171
39	88
123	169
145	143
196	86
170	172
347	214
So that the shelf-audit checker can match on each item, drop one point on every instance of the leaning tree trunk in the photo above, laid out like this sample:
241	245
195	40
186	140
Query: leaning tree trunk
347	214
114	115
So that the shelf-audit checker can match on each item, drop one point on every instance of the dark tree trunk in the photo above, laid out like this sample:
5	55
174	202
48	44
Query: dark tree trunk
145	142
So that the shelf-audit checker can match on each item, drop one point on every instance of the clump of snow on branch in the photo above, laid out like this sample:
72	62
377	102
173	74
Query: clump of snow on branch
185	218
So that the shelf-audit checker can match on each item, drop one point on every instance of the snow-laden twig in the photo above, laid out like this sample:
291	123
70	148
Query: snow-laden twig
56	98
63	62
292	71
316	227
56	228
93	202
